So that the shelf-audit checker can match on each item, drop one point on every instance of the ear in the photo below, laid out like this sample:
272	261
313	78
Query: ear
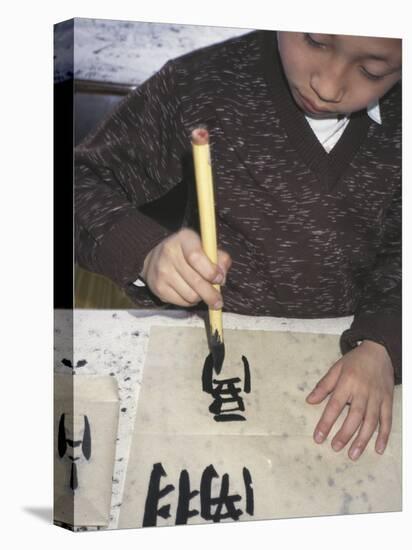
87	440
62	444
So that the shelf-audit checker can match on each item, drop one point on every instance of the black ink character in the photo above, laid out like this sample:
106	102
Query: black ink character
213	508
224	392
154	494
79	428
68	363
224	499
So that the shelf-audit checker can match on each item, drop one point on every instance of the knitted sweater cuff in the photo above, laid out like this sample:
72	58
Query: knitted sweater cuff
124	248
383	328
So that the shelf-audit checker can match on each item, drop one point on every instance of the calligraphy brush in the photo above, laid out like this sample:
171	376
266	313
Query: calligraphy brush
206	204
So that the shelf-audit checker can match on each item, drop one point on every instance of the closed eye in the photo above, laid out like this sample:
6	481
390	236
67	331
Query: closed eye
311	41
371	76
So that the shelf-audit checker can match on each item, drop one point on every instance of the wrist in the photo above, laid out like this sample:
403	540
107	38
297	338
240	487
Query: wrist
379	350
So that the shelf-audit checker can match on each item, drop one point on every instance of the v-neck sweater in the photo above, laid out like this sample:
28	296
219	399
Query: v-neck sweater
311	234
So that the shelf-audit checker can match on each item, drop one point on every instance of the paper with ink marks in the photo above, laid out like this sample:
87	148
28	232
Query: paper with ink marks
86	411
187	467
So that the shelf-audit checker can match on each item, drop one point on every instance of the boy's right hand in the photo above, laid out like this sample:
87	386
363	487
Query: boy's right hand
178	271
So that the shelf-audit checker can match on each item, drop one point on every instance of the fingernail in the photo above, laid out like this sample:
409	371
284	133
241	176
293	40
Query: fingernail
319	436
337	446
380	449
355	453
218	279
218	305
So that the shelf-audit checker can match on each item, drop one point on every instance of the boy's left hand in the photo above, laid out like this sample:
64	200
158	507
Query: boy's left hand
364	379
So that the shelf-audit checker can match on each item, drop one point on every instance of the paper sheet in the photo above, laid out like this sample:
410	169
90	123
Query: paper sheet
86	410
190	465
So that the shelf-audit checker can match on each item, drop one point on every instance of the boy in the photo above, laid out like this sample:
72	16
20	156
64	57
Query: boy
305	135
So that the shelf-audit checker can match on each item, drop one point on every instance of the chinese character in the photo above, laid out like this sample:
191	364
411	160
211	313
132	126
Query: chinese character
212	508
225	393
74	434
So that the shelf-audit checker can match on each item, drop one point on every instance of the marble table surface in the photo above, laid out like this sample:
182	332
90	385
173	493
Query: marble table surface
115	343
126	52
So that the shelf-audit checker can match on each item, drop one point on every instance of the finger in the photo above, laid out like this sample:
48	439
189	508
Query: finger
331	412
366	430
200	286
385	425
351	424
325	385
168	295
224	261
179	285
197	259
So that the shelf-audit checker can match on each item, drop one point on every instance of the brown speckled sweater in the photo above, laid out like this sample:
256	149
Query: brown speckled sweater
311	234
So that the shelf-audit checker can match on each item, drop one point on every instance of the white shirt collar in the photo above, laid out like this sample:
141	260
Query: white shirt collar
374	112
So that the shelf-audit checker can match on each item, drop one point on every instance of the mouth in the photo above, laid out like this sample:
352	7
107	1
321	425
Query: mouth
311	108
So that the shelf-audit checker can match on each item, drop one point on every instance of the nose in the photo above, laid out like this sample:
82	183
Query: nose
328	84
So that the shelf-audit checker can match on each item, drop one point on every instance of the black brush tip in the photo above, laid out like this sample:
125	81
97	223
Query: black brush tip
217	349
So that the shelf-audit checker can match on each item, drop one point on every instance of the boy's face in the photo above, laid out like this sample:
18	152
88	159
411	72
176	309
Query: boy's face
336	74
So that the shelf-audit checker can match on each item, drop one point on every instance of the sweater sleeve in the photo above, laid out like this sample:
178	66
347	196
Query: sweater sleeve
132	159
379	314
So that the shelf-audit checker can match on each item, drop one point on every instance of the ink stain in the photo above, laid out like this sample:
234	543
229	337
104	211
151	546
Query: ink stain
136	333
371	477
285	435
127	379
303	386
123	409
359	482
81	363
331	481
364	496
67	363
319	457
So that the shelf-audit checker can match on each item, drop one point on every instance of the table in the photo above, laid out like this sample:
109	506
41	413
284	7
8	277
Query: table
115	343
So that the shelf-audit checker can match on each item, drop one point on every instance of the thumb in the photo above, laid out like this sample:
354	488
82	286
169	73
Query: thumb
325	385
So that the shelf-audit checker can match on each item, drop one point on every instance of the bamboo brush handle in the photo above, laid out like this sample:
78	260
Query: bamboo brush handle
206	204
